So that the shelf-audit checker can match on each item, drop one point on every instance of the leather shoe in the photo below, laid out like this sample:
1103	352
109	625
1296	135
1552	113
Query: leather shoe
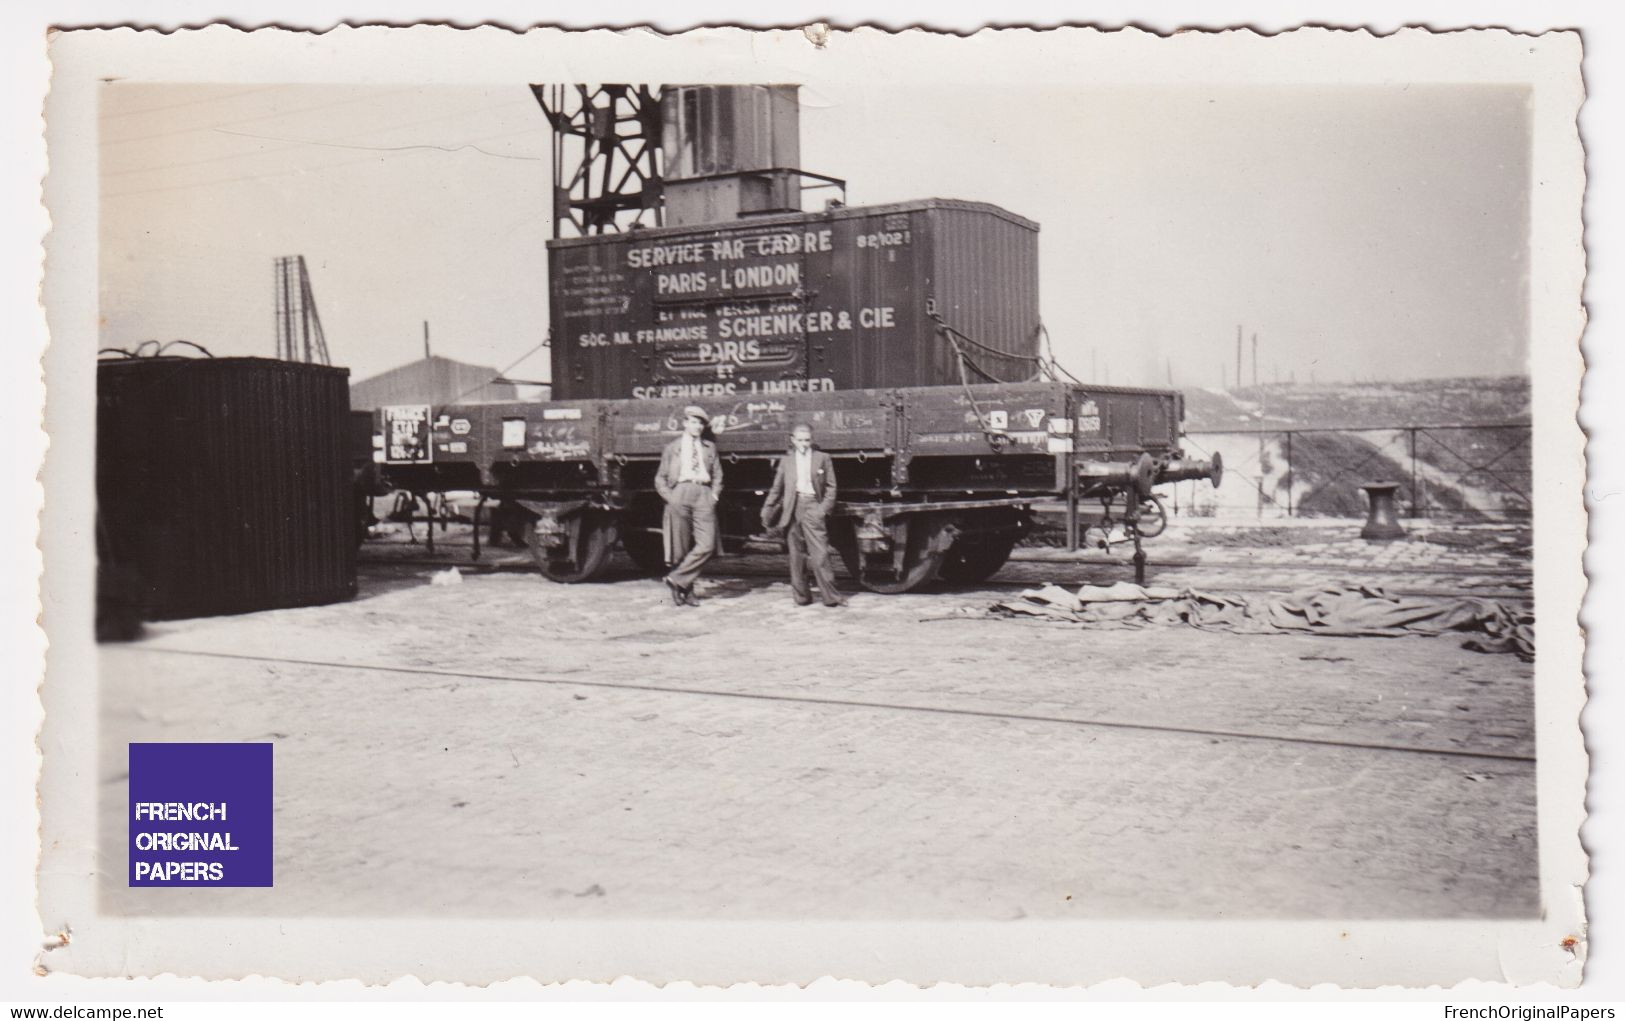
803	600
678	595
837	601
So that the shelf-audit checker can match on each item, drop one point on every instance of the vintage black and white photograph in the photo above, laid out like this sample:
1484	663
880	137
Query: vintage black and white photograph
818	486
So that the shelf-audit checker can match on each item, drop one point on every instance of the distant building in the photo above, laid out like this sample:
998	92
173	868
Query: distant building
436	380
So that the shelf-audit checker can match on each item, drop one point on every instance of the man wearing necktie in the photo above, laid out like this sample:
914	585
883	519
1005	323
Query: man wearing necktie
690	481
802	495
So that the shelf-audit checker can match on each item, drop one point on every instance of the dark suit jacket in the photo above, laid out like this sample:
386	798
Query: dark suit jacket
666	477
779	509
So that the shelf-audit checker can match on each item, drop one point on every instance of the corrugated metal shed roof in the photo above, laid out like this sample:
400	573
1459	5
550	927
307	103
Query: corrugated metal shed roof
433	380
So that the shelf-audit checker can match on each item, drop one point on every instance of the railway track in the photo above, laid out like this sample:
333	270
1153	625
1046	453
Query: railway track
1074	573
1244	565
1013	585
849	703
1042	555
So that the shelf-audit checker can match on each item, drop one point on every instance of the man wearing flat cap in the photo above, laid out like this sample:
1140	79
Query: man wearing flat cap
690	481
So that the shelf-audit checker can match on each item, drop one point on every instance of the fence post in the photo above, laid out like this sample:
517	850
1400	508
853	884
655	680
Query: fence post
1261	474
1289	476
1070	461
1416	499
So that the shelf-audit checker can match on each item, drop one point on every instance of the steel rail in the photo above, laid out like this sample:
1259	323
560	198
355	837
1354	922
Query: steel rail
992	583
1172	565
843	703
1330	565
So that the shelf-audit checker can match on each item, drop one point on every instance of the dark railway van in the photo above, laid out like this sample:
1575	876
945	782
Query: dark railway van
223	485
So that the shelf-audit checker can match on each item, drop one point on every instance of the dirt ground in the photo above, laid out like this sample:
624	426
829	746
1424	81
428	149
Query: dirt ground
505	747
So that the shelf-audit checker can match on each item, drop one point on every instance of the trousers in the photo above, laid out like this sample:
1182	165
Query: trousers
692	515
809	541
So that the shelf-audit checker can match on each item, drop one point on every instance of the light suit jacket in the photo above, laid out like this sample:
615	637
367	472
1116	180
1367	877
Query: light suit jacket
675	537
671	466
778	511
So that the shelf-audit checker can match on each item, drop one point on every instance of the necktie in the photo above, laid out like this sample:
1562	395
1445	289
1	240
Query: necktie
694	458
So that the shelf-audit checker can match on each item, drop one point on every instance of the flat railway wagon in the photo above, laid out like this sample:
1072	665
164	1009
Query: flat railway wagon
906	335
934	482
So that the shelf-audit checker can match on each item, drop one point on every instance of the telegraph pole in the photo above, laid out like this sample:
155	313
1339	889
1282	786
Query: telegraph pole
425	340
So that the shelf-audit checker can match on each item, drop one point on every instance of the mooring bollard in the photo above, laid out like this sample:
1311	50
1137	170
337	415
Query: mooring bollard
1382	521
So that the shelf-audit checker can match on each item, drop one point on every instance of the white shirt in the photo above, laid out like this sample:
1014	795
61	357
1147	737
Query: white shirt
804	481
691	461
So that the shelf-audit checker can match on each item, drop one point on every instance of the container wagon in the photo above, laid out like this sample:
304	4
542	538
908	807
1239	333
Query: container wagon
906	335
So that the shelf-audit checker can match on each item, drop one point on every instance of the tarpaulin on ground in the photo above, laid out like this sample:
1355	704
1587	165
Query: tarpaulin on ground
1349	610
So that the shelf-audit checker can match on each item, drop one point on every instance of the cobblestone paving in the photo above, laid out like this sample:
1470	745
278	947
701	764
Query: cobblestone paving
507	747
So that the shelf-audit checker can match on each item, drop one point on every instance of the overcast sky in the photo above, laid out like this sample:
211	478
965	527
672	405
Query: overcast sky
1370	232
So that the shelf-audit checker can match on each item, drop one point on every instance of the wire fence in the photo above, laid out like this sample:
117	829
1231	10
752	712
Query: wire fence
1465	472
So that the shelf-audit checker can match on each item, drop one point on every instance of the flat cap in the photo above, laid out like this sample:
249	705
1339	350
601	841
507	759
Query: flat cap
695	411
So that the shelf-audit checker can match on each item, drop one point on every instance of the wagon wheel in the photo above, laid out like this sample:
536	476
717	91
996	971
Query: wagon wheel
922	557
970	562
646	549
843	539
1153	518
592	536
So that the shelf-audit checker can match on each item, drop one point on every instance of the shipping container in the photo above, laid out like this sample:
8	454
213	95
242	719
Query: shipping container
847	299
225	485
